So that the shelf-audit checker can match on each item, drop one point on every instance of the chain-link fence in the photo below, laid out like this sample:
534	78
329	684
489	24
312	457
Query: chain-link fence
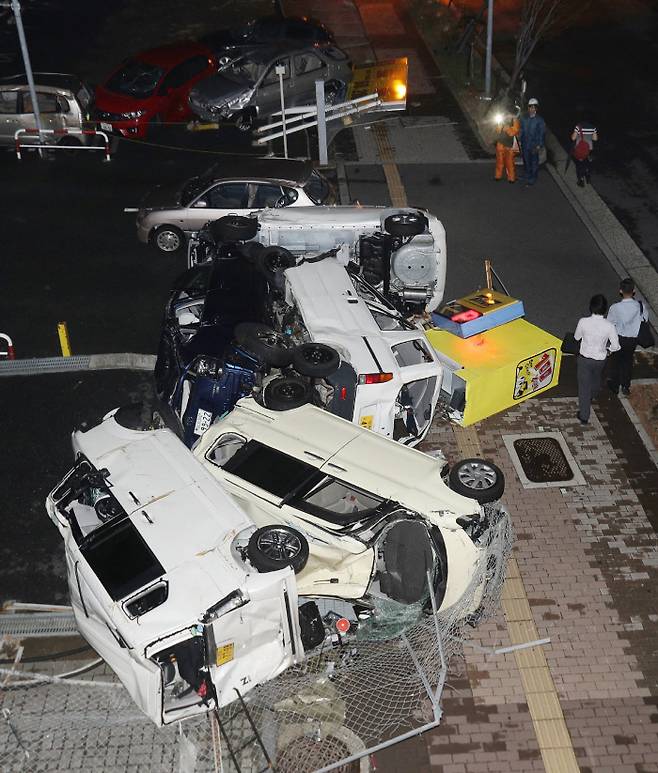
331	711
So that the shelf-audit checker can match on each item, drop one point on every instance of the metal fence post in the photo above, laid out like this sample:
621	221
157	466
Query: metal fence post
322	124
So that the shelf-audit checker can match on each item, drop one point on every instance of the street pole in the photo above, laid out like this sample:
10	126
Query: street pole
16	8
280	70
322	124
487	66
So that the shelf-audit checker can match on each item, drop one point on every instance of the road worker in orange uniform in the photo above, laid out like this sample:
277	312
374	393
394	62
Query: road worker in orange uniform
507	146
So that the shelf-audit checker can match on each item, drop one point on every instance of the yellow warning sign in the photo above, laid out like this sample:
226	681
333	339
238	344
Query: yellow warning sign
388	79
225	654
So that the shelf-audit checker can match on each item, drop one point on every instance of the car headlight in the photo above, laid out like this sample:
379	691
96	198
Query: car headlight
133	114
240	101
207	366
234	600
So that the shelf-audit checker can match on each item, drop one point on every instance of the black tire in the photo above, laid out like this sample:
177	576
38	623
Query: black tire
274	547
168	239
274	260
405	224
287	392
233	228
264	342
478	479
245	121
252	251
136	416
315	360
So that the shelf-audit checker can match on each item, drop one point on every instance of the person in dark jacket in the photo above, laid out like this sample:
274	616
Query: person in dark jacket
533	133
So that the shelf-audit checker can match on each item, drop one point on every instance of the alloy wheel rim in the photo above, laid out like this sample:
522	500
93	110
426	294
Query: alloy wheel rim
279	544
477	476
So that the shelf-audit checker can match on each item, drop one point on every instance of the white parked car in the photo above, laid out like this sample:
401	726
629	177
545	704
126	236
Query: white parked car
401	250
235	186
157	585
377	517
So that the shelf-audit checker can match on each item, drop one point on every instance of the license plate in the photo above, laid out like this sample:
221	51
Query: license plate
203	419
106	127
366	421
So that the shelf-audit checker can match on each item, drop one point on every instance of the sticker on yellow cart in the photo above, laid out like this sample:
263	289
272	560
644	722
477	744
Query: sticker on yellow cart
366	421
534	373
225	654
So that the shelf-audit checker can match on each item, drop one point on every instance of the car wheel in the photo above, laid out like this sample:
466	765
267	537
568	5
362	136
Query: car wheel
136	416
478	479
264	342
168	239
315	360
286	392
405	224
274	260
234	228
274	547
245	120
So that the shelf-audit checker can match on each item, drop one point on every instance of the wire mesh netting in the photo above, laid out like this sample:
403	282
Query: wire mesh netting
338	704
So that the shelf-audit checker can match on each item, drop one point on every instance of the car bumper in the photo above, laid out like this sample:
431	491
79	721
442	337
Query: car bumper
132	129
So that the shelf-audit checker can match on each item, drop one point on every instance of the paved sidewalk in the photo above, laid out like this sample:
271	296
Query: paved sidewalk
587	555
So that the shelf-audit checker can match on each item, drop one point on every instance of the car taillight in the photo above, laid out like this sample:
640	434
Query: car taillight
375	378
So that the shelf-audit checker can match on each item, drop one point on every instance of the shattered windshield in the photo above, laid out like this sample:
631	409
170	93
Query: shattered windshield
135	79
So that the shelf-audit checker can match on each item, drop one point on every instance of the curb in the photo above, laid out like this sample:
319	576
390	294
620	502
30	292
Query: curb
39	366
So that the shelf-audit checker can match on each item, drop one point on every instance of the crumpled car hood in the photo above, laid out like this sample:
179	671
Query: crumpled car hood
219	89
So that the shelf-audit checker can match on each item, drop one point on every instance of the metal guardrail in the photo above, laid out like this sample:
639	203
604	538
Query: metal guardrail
35	366
39	145
38	626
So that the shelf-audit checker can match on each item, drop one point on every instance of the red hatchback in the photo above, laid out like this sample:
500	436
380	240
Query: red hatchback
152	88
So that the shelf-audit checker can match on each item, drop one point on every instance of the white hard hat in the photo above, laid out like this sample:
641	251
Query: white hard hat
533	101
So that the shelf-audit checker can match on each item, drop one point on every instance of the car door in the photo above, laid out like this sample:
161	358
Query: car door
268	92
307	68
9	118
49	111
225	198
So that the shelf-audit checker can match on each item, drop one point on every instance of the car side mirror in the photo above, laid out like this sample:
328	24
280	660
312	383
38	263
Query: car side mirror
200	204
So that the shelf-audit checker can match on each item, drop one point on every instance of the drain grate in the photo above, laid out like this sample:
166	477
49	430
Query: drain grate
543	460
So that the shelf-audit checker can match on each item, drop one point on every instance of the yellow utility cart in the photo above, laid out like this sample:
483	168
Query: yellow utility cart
492	357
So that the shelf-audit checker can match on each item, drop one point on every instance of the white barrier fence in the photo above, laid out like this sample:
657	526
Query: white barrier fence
58	145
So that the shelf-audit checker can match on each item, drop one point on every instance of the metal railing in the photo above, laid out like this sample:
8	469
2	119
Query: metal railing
40	145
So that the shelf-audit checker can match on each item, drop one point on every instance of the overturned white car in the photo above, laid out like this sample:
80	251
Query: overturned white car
401	250
157	585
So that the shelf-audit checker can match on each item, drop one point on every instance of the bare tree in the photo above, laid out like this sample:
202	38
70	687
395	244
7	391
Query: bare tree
537	17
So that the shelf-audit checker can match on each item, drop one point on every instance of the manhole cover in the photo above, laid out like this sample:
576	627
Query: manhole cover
543	460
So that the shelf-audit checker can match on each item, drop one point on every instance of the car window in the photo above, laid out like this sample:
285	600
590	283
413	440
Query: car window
63	105
338	498
317	188
193	283
335	53
137	567
291	195
8	101
306	63
183	72
47	102
265	195
271	76
266	467
411	353
228	196
386	320
135	79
